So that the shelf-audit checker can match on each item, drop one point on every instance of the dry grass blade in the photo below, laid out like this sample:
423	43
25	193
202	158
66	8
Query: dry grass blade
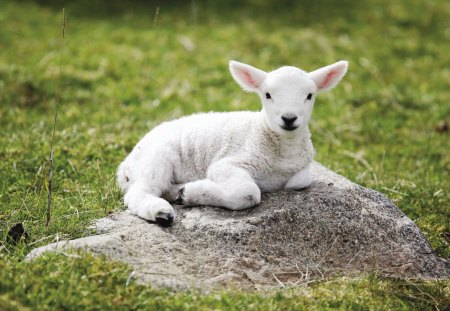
58	99
278	281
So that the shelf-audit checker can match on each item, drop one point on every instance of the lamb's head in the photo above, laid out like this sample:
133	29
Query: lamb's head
288	93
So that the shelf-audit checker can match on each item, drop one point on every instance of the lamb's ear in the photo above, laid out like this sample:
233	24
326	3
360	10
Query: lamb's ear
329	76
248	77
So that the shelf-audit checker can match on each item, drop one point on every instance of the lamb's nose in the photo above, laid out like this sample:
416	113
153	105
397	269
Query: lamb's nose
288	119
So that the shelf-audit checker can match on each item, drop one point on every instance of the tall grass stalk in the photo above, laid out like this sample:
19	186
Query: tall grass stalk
57	102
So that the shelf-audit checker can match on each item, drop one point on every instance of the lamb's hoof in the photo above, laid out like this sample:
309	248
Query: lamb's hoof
304	187
164	219
180	199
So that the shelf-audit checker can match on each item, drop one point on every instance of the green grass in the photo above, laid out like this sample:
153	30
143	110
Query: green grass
125	70
82	281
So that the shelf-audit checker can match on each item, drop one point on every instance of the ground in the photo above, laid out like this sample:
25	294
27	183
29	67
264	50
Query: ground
128	66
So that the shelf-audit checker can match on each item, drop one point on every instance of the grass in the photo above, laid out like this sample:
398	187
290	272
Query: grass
125	69
98	284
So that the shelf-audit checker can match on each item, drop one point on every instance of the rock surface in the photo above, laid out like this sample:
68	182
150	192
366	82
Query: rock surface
333	227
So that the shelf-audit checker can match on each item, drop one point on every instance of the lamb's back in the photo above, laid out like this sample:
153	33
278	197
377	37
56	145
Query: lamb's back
194	142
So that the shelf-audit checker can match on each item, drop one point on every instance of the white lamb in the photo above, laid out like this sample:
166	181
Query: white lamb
227	159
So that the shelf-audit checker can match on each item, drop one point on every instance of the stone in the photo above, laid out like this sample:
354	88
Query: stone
334	227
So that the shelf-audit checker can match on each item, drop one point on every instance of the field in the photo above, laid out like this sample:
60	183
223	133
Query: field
124	67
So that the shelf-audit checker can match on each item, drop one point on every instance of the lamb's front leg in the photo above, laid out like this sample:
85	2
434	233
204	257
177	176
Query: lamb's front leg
301	179
226	186
144	201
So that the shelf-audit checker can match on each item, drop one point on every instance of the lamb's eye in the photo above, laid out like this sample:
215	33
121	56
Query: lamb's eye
309	96
268	96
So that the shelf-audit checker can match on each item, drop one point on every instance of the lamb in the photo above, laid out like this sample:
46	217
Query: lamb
227	159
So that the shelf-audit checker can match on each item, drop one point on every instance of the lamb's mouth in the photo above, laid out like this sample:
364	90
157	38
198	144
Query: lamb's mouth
288	128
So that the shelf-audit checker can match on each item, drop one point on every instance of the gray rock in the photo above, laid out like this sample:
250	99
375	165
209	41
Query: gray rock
333	227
